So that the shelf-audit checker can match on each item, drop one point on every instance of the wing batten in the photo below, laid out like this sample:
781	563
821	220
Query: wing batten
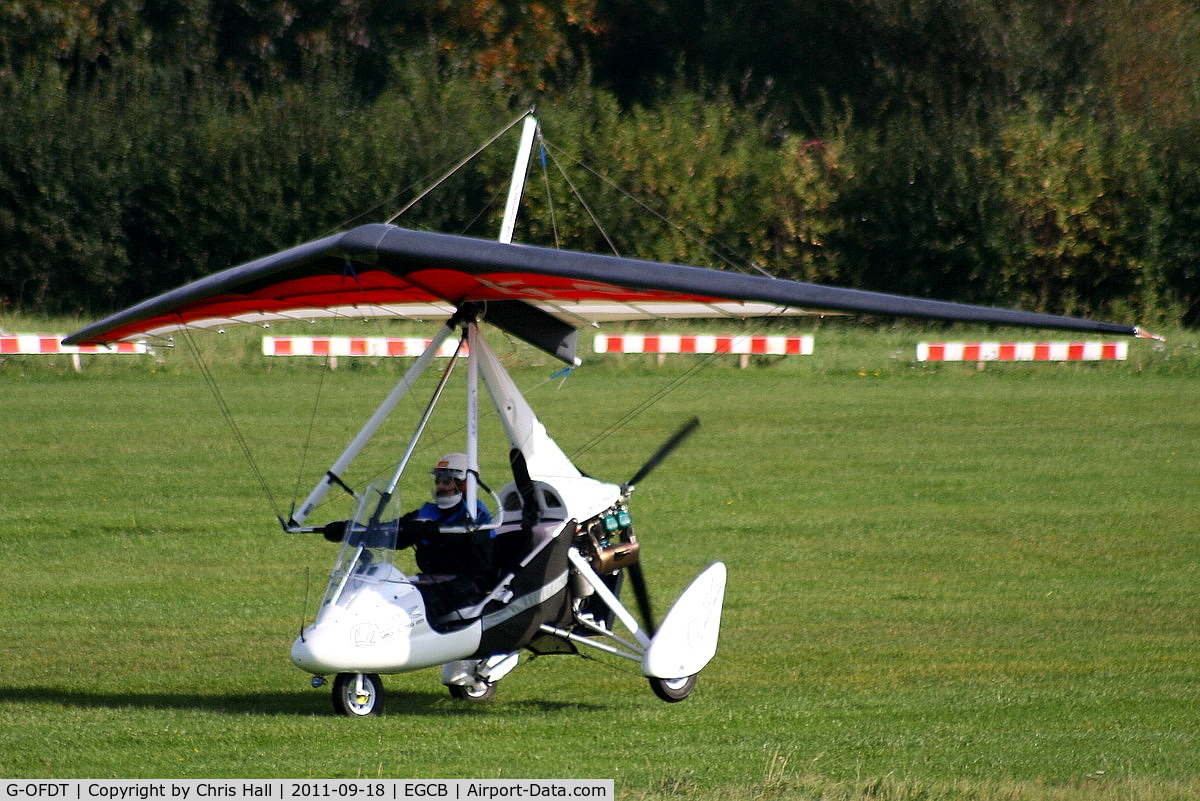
384	269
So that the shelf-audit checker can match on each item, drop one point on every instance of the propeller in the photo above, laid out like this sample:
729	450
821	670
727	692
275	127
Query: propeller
664	450
636	577
642	595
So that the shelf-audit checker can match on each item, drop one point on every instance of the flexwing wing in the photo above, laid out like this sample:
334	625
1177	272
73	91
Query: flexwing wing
534	292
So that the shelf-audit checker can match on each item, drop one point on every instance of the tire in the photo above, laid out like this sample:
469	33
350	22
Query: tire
353	700
673	690
479	691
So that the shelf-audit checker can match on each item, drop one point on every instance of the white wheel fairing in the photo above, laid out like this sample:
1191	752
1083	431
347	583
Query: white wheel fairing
687	639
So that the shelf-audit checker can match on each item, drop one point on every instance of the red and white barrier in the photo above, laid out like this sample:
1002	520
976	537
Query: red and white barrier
744	346
51	344
1021	351
353	346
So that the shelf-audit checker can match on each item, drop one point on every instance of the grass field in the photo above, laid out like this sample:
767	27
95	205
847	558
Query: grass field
944	582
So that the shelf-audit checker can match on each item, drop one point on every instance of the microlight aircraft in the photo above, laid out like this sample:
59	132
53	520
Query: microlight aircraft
563	541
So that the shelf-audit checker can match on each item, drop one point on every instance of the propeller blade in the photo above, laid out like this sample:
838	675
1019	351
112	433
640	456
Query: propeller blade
664	451
636	577
642	595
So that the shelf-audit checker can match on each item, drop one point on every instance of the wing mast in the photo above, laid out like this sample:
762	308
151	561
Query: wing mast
516	188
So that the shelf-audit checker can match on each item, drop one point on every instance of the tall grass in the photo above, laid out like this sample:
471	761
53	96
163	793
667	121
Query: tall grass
944	582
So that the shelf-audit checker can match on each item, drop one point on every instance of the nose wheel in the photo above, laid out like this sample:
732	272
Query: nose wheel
358	695
673	690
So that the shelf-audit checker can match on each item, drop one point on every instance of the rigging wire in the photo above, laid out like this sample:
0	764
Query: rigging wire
582	202
456	168
227	413
318	394
542	156
648	403
424	182
302	467
729	257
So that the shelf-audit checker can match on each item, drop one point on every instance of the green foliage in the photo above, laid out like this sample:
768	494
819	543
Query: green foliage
914	210
995	151
1083	212
683	182
64	179
136	187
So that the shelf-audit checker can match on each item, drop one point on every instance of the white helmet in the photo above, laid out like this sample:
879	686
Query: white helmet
453	466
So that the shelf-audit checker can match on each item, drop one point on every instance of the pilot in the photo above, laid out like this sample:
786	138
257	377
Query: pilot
456	567
440	553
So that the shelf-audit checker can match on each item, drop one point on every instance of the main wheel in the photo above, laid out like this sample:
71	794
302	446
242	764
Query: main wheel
672	690
358	695
479	691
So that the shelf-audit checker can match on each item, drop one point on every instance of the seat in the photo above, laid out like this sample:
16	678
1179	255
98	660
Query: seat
535	540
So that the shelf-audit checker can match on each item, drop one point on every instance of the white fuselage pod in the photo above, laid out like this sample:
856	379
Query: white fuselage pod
378	624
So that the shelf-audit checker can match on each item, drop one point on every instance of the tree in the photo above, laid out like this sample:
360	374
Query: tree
1084	212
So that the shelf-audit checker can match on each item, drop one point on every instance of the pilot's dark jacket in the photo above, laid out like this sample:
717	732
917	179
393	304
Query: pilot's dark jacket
439	553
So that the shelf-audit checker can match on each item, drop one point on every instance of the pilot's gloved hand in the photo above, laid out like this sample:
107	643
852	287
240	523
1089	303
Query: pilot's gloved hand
418	529
335	531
